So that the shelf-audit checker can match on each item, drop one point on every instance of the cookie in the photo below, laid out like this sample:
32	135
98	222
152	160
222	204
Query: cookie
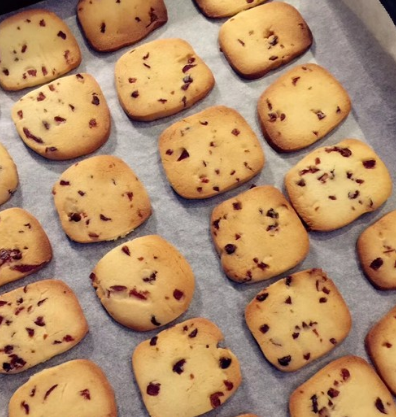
36	47
111	24
381	344
144	283
298	319
182	372
100	198
77	387
258	235
64	119
334	185
161	78
38	322
225	8
345	387
24	245
301	107
210	152
8	175
376	248
261	39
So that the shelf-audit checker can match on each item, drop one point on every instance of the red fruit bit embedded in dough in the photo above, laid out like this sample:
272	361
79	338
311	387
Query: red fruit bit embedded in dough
153	389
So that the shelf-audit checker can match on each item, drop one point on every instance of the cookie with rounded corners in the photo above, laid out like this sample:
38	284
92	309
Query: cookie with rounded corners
298	319
24	245
301	107
65	119
266	37
9	179
38	322
210	152
346	386
161	78
376	248
36	47
225	8
109	25
258	235
100	198
144	283
182	372
77	387
334	185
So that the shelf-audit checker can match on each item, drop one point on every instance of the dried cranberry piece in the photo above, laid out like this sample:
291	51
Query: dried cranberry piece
235	132
353	195
40	321
30	331
288	281
32	72
183	155
103	27
178	295
264	328
262	297
230	248
320	115
369	164
215	400
62	35
193	334
118	288
345	374
95	100
30	135
92	123
32	392
41	96
68	338
132	80
295	335
49	391
51	149
285	360
153	389
345	152
25	407
272	213
151	278
333	341
229	385
8	349
63	182
376	264
86	394
309	170
301	183
188	67
307	356
153	341
104	218
333	393
178	366
237	205
154	321
295	79
75	217
314	400
380	406
42	22
225	362
126	250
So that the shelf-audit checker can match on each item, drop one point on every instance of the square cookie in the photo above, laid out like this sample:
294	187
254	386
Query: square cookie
161	78
182	372
334	185
111	24
376	248
298	319
74	388
65	119
381	345
301	107
258	235
210	152
261	39
36	47
9	179
345	387
225	8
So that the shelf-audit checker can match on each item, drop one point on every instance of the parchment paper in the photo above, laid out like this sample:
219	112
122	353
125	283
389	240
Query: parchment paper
347	48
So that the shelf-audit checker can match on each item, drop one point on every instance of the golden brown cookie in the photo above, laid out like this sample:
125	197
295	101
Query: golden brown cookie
8	175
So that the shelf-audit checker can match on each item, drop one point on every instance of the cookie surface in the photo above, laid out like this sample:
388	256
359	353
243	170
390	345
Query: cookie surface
24	245
225	8
109	24
100	198
261	39
161	78
152	286
182	373
301	107
210	152
376	248
345	387
77	387
64	119
381	344
38	322
36	47
8	175
334	185
258	235
298	319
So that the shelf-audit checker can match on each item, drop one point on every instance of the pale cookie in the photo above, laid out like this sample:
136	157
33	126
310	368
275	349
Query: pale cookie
75	388
100	198
261	39
24	245
144	283
8	175
298	319
111	24
376	248
301	107
182	372
225	8
381	345
210	152
345	387
161	78
258	235
37	322
36	47
333	186
65	119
